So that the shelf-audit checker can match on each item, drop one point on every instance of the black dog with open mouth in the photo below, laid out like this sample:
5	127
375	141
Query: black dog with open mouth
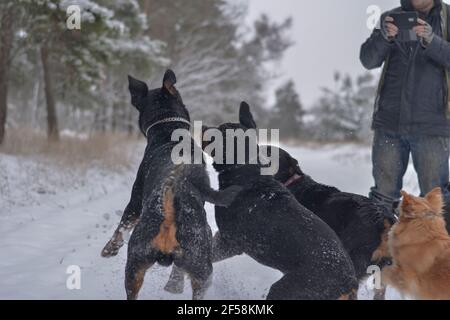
166	208
361	224
267	223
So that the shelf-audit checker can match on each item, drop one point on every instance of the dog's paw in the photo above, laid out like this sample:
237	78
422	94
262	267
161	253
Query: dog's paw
111	249
175	287
229	195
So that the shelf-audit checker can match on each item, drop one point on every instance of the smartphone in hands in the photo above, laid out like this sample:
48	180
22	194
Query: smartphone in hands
405	21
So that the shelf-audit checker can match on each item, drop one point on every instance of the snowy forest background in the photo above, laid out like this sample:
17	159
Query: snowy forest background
70	145
62	82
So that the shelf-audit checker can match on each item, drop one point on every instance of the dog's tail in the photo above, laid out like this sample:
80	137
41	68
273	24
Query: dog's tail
166	242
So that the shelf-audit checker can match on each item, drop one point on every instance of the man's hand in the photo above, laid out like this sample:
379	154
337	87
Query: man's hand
389	29
424	31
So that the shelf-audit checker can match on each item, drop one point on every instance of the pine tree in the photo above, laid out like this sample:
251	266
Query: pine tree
75	62
288	112
132	52
218	62
76	79
344	113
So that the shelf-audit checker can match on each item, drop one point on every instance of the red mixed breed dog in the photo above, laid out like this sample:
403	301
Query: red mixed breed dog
420	247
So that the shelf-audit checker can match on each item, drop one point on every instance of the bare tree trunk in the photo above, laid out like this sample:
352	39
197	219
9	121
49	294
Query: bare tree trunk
6	39
130	127
114	118
52	119
146	7
103	119
96	125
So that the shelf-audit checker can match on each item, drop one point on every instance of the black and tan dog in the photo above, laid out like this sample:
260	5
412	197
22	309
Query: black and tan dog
267	223
361	224
166	207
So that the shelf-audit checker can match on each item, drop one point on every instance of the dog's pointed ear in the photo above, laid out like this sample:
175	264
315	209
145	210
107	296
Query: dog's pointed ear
406	206
406	199
295	165
138	90
169	80
246	117
435	200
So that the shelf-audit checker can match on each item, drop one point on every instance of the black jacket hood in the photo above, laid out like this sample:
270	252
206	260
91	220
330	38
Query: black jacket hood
407	6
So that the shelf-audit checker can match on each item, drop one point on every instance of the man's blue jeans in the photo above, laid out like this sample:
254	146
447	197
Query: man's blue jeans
390	155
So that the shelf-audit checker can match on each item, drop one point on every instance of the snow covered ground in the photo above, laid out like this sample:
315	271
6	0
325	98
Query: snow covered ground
52	218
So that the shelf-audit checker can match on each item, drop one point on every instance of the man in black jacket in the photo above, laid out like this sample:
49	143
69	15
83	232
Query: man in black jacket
412	112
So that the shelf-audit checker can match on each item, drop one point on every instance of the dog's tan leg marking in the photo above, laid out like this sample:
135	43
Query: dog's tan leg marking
133	283
353	295
166	241
344	297
199	288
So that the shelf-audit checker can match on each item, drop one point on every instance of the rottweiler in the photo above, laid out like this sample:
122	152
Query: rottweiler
268	224
361	223
166	208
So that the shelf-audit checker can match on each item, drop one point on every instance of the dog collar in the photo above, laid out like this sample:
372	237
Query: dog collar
167	120
292	180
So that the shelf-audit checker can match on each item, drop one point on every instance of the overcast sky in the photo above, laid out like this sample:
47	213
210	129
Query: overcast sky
328	35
